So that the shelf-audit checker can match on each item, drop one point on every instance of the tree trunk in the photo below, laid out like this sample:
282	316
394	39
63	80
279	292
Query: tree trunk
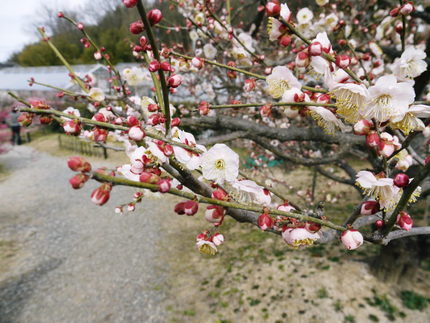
399	260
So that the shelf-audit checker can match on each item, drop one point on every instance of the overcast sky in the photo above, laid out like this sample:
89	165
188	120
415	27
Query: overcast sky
16	17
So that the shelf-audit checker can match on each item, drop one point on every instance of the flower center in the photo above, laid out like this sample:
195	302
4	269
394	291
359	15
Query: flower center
220	164
383	100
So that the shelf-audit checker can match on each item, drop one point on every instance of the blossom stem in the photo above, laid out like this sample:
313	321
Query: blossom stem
328	57
63	60
207	200
242	71
151	38
275	104
150	133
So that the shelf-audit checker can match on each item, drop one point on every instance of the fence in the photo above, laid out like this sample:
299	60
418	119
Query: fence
82	146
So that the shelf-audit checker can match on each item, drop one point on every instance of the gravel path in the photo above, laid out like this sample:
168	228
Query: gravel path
77	262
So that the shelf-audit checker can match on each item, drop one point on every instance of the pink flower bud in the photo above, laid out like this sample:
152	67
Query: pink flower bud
98	56
99	117
191	207
372	139
407	9
286	207
273	8
133	121
164	185
379	224
179	208
401	180
203	108
154	66
220	194
60	14
78	180
265	221
79	164
351	239
176	122
101	194
214	214
362	127
249	85
315	49
369	207
404	221
72	127
100	135
174	80
395	12
80	26
165	66
218	239
136	27
148	177
143	41
25	119
197	62
136	133
343	61
302	59
312	227
130	3
154	16
386	148
284	40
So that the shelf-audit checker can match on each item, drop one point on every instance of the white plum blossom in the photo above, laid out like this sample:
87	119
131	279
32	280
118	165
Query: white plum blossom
189	158
327	119
220	164
298	237
96	94
350	99
388	98
280	80
404	160
285	12
410	120
380	188
304	16
210	51
72	111
411	64
250	192
274	28
134	76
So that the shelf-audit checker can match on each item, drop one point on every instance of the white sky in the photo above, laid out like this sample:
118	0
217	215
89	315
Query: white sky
16	17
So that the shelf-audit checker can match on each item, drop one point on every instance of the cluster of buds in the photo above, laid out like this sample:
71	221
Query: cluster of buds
79	164
404	10
384	143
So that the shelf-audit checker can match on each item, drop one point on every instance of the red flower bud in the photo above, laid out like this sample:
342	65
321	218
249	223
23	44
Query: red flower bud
78	180
343	61
165	66
79	164
101	194
315	49
404	221
154	66
136	27
164	185
176	122
273	8
265	221
372	139
401	180
369	207
191	207
72	127
133	121
362	127
220	194
284	40
174	80
149	177
130	3
154	16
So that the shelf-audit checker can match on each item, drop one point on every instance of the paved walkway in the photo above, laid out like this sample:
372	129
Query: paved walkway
77	262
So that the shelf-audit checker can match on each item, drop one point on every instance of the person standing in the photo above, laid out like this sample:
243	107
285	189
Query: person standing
15	126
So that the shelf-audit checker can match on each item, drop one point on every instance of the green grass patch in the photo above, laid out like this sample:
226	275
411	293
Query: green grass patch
413	301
